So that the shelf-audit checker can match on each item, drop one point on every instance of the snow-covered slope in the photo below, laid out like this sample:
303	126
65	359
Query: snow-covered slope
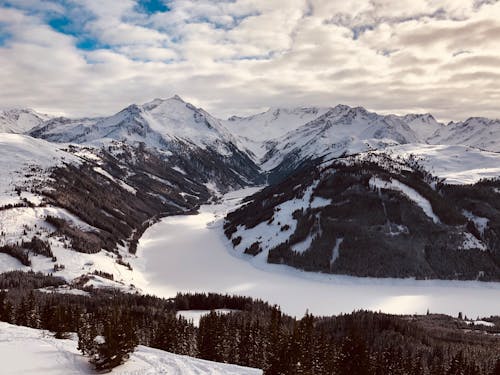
424	125
20	120
256	131
163	157
477	132
27	160
30	351
340	130
380	214
273	123
455	164
156	123
88	191
181	133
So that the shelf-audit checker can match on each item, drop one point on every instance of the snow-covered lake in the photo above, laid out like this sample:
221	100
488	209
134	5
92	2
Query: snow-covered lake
190	254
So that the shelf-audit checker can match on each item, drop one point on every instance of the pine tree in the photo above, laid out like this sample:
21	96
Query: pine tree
353	357
274	361
457	365
496	369
3	312
116	343
87	332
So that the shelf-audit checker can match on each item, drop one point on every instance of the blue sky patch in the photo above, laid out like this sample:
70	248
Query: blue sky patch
63	25
88	44
152	6
3	38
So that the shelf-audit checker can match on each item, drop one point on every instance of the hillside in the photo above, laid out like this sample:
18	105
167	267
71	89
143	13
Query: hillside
27	350
378	215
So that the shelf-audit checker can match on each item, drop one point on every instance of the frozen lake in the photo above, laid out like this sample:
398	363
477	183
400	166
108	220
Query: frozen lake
191	254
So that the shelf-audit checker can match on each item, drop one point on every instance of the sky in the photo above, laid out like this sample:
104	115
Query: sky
94	57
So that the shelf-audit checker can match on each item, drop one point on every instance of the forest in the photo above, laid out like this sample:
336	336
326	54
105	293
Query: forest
110	324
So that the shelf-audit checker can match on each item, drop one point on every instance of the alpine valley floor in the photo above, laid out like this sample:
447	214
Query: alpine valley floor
190	253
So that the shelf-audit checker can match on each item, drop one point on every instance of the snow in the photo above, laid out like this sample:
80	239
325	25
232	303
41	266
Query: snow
14	221
64	289
194	316
340	130
8	263
319	202
29	351
480	322
157	124
256	130
410	193
454	164
178	169
127	187
478	132
26	159
191	254
20	120
471	242
335	252
425	125
481	223
272	234
273	123
303	246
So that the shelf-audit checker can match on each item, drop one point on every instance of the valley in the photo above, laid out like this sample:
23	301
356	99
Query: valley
306	228
191	254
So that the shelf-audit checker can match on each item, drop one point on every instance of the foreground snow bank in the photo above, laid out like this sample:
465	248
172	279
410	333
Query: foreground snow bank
31	351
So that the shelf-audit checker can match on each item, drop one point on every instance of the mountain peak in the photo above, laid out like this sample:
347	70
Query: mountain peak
177	97
20	120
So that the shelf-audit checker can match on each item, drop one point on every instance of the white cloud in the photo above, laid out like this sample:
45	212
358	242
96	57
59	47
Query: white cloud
244	55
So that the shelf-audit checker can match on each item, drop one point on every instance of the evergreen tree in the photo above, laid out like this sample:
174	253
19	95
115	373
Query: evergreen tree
113	347
87	332
353	357
496	369
275	365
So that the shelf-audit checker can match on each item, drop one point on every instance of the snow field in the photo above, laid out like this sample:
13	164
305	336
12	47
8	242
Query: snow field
30	351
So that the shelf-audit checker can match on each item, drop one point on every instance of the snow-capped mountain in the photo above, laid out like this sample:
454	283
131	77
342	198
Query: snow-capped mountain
20	120
189	136
257	130
477	132
340	130
273	123
424	125
99	182
157	123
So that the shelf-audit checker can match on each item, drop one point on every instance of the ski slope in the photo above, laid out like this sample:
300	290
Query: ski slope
30	351
191	254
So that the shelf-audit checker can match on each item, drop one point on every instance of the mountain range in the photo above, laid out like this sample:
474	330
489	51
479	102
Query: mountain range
348	190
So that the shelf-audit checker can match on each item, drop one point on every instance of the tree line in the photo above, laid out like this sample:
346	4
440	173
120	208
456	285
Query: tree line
110	324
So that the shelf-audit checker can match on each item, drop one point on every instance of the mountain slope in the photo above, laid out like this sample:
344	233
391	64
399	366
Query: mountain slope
424	125
341	130
20	120
173	129
26	350
100	182
256	131
74	210
373	215
477	132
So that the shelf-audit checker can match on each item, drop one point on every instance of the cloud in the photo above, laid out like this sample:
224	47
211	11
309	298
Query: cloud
242	56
